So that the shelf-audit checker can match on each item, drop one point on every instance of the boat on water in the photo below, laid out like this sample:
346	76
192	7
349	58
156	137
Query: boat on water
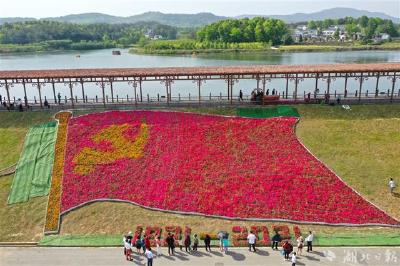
116	52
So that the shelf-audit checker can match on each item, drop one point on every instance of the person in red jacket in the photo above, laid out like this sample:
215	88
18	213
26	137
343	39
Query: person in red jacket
147	242
287	249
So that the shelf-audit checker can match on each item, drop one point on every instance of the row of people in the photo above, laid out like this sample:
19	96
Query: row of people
143	245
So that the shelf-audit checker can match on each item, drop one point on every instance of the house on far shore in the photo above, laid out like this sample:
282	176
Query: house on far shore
382	37
303	33
152	36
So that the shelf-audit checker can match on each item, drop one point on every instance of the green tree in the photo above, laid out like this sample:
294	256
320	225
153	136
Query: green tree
336	34
312	25
363	21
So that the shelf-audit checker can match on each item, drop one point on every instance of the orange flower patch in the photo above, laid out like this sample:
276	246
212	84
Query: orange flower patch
53	207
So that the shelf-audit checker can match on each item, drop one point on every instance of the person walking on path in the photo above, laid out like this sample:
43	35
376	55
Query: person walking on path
171	244
275	240
207	242
158	245
309	240
187	243
392	185
251	238
294	259
195	242
149	256
300	245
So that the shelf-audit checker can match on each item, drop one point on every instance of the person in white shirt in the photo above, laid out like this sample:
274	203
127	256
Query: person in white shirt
127	249
149	255
158	244
309	241
392	185
294	259
252	241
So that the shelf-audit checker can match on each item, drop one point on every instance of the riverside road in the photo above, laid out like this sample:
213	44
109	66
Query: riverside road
49	256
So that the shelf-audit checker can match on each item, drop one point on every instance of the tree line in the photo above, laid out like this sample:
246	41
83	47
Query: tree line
64	34
257	29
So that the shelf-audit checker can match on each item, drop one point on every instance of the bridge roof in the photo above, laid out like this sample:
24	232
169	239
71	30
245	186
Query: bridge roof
193	71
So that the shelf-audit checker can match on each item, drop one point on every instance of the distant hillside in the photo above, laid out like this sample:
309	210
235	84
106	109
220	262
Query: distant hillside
333	13
88	18
201	19
14	20
178	20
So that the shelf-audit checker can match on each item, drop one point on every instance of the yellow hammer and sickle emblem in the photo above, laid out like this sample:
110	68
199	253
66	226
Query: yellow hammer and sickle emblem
87	160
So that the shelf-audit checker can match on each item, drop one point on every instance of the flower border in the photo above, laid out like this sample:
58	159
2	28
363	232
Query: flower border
53	216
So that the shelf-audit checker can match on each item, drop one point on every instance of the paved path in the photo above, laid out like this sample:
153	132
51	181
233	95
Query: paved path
236	256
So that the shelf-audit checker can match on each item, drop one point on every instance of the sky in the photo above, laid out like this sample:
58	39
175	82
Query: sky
54	8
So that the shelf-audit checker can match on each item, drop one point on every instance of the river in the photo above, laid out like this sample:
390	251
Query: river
105	59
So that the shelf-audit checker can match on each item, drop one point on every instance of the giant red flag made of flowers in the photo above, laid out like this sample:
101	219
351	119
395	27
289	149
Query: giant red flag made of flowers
211	165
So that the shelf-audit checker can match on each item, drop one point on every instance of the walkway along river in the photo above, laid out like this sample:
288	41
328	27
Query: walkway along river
134	78
186	90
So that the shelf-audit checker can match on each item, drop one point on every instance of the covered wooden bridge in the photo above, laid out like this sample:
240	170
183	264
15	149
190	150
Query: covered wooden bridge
76	79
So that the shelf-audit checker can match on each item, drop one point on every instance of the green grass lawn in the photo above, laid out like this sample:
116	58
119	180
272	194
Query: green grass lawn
13	128
24	221
361	146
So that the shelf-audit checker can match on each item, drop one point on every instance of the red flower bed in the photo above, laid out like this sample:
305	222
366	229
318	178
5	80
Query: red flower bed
212	165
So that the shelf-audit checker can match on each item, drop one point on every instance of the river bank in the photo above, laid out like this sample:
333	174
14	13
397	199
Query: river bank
283	48
49	47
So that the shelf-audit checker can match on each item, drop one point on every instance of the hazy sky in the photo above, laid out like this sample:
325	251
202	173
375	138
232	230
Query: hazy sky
51	8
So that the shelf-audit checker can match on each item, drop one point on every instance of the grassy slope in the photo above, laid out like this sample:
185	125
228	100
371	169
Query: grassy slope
363	152
25	221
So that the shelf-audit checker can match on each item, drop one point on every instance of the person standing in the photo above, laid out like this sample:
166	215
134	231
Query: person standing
300	245
187	243
195	242
287	249
309	239
392	185
225	243
221	239
171	244
138	244
59	98
143	244
275	241
207	242
181	242
149	256
241	96
251	238
294	259
147	242
158	244
128	250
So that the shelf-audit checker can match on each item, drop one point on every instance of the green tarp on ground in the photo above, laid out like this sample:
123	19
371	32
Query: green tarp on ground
33	173
263	112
